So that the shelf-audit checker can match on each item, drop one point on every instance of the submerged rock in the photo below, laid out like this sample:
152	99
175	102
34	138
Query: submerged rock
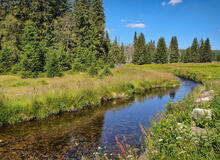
198	113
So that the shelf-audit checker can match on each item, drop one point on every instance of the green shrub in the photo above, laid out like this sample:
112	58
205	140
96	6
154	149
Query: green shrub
106	72
93	71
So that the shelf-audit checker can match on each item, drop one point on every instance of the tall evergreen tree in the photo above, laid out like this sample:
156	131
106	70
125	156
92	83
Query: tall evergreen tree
116	55
107	45
135	55
141	50
52	64
161	53
207	51
6	59
194	57
152	49
201	52
97	22
32	59
174	50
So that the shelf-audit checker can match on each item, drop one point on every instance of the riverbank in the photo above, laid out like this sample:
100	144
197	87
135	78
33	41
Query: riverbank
28	99
177	134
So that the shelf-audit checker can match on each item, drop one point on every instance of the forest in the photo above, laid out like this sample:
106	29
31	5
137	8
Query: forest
47	37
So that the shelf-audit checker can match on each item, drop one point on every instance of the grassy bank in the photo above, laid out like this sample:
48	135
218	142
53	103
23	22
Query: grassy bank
171	134
26	99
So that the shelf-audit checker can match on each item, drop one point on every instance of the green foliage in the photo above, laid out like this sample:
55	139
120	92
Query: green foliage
161	53
194	57
93	71
174	50
207	51
6	60
106	72
52	64
32	58
116	53
142	52
64	59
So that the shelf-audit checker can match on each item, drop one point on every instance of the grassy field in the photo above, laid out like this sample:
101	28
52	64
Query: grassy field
26	99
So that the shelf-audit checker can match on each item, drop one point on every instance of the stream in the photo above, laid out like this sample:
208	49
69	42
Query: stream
71	135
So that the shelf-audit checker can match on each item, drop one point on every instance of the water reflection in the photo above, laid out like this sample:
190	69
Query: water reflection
71	135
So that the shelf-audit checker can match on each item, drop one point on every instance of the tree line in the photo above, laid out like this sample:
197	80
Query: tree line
50	36
147	53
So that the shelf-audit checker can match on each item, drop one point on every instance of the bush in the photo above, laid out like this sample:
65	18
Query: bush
106	72
93	71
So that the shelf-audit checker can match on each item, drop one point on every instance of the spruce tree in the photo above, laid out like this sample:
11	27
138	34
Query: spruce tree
174	51
6	60
107	46
151	47
202	52
194	51
207	51
122	58
141	54
115	54
161	53
52	64
32	59
64	59
135	56
97	22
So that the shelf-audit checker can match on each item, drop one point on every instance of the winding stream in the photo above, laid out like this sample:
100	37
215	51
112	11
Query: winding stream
71	135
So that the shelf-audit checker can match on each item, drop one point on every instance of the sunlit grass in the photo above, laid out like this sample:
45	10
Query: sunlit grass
25	99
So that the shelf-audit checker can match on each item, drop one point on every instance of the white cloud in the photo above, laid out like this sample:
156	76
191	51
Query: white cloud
136	25
175	2
164	3
123	20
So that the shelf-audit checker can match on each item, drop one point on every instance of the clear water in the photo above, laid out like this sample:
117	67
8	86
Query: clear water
71	135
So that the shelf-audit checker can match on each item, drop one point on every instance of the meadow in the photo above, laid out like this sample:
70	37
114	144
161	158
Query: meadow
27	99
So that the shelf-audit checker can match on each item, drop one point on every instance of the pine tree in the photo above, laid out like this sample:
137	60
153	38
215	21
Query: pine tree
10	34
173	50
107	46
32	59
52	65
122	57
194	51
187	54
97	22
64	59
207	51
151	47
115	55
135	55
202	52
6	60
161	53
141	54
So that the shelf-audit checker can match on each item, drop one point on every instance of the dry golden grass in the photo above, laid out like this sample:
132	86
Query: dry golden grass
13	87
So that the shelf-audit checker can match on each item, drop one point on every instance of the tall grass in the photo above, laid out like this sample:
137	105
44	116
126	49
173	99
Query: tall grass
23	100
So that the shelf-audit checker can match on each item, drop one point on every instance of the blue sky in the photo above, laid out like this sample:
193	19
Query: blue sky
164	18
